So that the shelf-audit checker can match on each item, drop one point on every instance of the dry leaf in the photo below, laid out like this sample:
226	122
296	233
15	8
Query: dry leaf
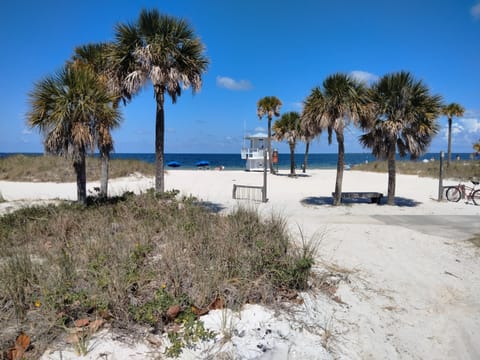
81	322
216	304
173	311
95	325
21	345
199	312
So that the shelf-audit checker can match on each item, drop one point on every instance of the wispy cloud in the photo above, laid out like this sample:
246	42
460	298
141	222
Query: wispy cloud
232	84
363	76
259	129
475	11
26	131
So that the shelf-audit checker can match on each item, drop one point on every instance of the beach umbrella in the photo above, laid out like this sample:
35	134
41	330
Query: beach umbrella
173	164
202	163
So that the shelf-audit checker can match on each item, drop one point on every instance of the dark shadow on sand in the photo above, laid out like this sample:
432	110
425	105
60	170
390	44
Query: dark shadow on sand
293	176
213	207
328	200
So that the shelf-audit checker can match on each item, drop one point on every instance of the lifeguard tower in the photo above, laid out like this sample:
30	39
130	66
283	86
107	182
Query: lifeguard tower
254	153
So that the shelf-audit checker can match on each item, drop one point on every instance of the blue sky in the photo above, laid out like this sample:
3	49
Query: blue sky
256	48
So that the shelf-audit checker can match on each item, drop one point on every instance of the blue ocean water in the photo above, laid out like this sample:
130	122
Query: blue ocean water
235	162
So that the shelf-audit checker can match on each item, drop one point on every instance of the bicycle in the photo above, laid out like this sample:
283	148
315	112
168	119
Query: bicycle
462	191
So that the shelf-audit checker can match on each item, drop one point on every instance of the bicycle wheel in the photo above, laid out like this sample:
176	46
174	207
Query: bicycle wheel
476	197
454	194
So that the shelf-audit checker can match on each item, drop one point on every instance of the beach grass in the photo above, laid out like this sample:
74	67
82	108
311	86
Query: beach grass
59	169
458	170
131	259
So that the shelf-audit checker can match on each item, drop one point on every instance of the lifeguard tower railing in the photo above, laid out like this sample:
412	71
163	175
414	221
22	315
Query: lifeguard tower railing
249	153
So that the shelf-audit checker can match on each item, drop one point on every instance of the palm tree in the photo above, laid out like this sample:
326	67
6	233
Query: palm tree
476	147
270	106
450	111
309	118
97	57
342	101
288	128
65	107
404	120
164	51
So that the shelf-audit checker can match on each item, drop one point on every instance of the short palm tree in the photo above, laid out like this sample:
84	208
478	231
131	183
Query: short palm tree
476	147
97	57
269	106
164	51
404	120
450	111
288	128
342	101
309	119
65	107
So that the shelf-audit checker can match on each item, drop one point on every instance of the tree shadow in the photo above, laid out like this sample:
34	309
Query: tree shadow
404	202
293	176
328	200
317	200
213	207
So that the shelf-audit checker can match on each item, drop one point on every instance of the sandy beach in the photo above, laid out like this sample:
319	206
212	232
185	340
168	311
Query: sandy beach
408	278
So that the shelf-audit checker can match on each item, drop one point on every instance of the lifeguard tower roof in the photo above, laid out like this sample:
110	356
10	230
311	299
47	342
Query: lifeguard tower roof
257	136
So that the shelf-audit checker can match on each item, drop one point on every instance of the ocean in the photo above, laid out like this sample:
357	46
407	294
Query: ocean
235	162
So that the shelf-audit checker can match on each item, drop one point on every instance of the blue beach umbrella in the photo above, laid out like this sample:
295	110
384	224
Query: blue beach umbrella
202	163
173	164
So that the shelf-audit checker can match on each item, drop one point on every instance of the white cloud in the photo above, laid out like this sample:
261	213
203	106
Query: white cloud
363	76
475	11
260	129
471	125
232	84
26	131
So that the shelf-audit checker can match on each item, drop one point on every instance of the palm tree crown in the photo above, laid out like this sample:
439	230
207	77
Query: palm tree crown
269	106
165	51
404	120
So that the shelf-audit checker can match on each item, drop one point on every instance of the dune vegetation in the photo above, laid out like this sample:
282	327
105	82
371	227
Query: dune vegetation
133	260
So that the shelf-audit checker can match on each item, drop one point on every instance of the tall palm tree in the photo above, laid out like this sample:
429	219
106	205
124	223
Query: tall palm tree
288	128
342	101
97	57
164	51
269	106
450	111
65	107
404	120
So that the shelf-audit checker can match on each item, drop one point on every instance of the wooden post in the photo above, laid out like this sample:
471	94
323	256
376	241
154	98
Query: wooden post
264	191
440	178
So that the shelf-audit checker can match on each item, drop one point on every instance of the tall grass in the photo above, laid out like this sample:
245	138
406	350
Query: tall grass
459	170
136	256
59	169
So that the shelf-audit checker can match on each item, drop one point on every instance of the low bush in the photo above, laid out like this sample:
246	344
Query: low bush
132	259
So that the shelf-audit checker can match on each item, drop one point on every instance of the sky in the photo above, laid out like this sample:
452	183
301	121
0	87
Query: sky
256	48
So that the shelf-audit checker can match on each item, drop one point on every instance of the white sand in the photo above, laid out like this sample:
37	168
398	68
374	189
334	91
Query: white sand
409	283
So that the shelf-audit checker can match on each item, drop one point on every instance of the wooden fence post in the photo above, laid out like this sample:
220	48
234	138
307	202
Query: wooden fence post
440	178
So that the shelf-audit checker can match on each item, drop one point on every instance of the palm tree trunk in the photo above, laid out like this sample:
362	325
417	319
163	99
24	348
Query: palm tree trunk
391	174
292	158
159	141
269	145
104	173
340	165
449	156
305	159
80	171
